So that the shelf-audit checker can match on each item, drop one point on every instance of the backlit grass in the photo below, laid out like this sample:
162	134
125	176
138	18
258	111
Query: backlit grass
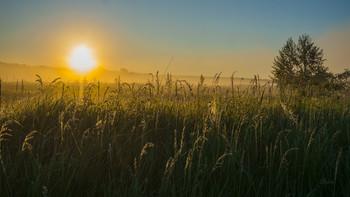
172	138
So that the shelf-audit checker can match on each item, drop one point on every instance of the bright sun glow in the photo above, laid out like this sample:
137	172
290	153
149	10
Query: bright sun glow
82	60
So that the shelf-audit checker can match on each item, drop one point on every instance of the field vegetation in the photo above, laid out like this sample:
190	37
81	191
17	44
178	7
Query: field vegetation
171	138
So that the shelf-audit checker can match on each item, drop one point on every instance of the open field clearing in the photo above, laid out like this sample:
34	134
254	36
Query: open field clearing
172	138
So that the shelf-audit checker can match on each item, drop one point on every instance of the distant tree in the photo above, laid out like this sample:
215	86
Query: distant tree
341	80
301	64
123	71
284	65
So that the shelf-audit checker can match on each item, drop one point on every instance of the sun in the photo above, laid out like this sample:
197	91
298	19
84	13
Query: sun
82	60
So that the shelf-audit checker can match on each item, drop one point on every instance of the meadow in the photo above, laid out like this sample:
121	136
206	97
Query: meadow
171	138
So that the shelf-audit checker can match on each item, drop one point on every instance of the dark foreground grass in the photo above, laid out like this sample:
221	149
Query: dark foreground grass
175	140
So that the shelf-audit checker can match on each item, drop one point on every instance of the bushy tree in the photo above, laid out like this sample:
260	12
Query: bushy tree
301	64
341	80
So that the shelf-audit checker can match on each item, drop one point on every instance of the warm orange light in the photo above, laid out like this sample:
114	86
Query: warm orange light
82	60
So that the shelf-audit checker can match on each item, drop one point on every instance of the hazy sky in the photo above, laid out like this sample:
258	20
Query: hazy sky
205	37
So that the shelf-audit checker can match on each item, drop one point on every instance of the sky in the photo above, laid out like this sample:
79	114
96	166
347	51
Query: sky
203	37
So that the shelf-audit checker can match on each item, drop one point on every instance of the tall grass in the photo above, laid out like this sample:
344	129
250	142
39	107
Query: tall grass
0	93
174	139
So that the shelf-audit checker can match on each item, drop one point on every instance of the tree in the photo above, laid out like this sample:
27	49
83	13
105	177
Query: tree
284	65
300	65
341	80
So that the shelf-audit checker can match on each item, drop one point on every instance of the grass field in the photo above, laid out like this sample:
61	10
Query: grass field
171	138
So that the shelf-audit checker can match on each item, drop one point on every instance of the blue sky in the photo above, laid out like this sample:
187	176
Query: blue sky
205	37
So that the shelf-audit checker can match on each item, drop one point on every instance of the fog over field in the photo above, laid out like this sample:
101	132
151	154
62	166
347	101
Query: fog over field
11	72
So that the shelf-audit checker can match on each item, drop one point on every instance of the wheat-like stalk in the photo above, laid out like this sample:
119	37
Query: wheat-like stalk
220	161
145	150
26	143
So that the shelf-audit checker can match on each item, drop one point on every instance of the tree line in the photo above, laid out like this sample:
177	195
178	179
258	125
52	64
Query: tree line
301	65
